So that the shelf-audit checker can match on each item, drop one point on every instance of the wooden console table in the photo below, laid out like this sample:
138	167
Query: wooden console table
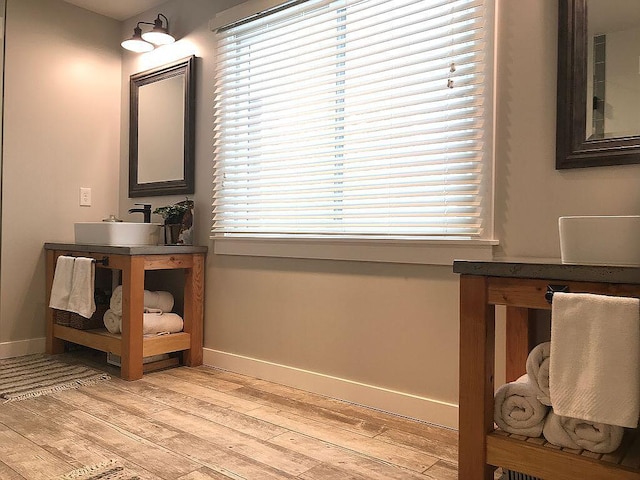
522	287
131	346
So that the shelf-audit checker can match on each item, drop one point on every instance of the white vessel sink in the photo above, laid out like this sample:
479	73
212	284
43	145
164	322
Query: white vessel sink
600	240
124	234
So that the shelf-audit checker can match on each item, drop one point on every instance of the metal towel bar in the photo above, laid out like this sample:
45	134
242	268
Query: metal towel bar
104	260
551	289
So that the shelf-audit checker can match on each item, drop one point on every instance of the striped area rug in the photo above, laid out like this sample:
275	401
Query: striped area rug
109	470
35	375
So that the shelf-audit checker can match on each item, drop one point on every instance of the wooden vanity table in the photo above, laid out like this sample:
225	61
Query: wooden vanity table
522	288
131	346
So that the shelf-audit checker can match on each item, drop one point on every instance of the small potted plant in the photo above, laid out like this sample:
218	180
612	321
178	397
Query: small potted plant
178	222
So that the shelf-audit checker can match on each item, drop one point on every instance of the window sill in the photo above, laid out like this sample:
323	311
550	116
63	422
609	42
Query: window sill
425	252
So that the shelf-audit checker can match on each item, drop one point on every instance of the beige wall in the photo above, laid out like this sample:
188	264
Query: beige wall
62	131
530	193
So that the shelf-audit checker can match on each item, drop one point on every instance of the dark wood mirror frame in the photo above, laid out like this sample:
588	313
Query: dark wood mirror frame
186	185
573	150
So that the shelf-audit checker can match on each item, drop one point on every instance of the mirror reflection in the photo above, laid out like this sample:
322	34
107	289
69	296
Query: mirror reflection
161	130
613	69
585	139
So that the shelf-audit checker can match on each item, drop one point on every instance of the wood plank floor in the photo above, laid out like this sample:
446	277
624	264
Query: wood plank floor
203	423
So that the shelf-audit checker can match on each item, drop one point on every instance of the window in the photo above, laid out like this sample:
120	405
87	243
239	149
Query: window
367	118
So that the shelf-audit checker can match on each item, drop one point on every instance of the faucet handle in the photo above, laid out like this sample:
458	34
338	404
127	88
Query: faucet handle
145	210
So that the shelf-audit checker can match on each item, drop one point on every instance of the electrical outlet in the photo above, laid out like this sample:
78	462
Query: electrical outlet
85	197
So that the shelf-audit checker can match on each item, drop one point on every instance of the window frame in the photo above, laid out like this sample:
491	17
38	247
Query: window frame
436	251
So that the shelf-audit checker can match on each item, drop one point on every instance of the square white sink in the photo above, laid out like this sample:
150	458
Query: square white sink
123	234
600	240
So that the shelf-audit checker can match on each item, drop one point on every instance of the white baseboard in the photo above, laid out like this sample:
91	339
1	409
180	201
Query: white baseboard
421	408
20	348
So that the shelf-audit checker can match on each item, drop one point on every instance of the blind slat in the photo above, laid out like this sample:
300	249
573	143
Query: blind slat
336	118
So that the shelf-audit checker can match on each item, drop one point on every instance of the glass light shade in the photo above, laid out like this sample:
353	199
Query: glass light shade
158	37
137	45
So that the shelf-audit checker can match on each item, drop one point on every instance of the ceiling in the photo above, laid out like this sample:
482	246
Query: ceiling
118	9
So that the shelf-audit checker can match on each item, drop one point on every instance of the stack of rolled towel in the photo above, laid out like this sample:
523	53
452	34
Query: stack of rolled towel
157	317
524	407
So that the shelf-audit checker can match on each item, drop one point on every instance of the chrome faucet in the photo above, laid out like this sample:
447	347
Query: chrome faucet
145	210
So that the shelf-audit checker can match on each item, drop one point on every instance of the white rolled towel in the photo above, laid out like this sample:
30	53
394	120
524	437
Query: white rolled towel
582	434
538	371
157	300
518	410
115	303
112	321
154	323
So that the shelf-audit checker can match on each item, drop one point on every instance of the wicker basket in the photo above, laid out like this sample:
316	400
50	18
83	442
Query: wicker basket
73	320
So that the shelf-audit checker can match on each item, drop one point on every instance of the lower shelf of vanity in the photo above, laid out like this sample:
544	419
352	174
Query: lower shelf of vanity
536	457
101	339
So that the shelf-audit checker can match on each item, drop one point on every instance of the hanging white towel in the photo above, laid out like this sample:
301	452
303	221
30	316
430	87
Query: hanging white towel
594	365
81	298
62	278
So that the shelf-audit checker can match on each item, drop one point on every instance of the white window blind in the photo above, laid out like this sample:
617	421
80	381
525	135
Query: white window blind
354	118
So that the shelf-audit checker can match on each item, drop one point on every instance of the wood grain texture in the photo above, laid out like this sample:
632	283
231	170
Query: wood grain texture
164	262
550	463
519	332
194	310
479	444
530	293
132	314
477	342
130	345
206	424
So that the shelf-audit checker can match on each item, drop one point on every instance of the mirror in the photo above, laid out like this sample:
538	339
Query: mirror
598	116
161	130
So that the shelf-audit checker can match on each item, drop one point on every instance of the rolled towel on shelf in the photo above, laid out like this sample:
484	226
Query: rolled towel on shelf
159	300
538	371
115	303
582	434
155	323
112	321
517	409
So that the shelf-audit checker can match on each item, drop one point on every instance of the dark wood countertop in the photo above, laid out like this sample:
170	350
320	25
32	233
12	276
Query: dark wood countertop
548	270
117	250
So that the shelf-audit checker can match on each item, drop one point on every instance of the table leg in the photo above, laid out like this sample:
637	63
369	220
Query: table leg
132	314
519	334
477	351
193	310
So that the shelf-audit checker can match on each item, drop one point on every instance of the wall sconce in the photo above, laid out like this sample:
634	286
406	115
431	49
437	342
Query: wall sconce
147	41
